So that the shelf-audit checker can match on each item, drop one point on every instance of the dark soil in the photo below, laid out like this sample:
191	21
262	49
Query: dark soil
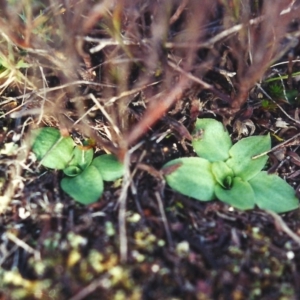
169	246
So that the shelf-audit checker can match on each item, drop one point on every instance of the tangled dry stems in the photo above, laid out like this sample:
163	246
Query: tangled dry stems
90	64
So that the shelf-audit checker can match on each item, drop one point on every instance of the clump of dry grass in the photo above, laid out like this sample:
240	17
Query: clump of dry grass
122	73
110	70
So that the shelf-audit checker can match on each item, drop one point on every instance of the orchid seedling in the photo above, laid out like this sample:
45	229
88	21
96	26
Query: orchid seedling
84	175
231	173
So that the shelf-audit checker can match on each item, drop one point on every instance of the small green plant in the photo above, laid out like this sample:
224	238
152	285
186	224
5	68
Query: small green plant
84	175
279	92
11	66
276	90
231	173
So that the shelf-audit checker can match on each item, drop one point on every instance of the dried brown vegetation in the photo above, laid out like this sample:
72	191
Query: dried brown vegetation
133	76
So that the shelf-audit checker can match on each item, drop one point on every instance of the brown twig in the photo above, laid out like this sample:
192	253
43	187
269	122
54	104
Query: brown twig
178	11
122	209
164	218
204	84
156	110
281	225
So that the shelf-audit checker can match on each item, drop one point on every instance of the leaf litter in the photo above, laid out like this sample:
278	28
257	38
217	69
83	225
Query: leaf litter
176	247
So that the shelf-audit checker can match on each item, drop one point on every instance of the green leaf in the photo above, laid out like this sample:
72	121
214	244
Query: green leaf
273	193
222	173
53	150
240	195
192	177
109	167
85	188
241	154
81	158
21	64
210	140
72	171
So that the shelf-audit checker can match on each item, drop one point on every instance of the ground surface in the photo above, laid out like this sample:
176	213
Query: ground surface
169	246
